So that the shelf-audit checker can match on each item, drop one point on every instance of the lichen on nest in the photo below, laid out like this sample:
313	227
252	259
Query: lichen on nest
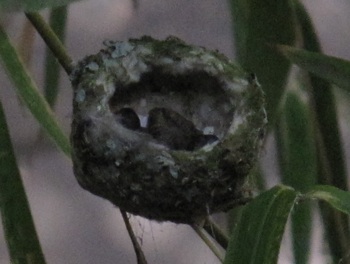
165	130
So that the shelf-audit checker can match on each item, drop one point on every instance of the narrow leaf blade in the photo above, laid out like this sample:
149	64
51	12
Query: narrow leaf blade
58	19
20	234
333	69
298	151
258	24
297	155
30	94
258	234
326	128
331	159
335	197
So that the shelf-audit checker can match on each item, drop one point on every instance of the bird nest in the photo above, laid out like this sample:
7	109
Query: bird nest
165	130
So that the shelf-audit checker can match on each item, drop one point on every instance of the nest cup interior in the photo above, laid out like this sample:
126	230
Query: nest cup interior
196	96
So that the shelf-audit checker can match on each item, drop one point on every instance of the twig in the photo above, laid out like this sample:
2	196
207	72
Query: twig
215	231
204	236
56	46
51	40
141	259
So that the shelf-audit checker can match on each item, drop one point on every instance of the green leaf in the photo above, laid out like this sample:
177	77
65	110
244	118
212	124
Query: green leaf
333	69
335	211
31	5
335	197
298	151
30	94
258	24
20	234
257	236
309	36
297	155
331	160
330	150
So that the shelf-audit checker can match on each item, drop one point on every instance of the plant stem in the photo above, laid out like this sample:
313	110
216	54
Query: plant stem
58	22
216	233
51	40
19	229
204	236
26	88
141	259
56	46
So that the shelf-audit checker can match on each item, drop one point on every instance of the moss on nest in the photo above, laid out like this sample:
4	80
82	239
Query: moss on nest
136	170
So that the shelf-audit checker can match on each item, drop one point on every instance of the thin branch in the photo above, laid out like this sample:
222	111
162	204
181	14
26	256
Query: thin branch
216	233
57	22
51	40
141	259
204	236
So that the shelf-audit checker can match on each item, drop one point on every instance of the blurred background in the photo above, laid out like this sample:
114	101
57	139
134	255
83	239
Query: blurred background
75	226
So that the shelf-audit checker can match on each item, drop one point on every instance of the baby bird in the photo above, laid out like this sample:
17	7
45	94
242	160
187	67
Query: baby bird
173	130
167	127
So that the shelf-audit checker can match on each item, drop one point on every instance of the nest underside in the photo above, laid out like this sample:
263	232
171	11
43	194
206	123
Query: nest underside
197	191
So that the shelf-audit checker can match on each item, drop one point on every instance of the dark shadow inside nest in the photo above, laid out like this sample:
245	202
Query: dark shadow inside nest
182	111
